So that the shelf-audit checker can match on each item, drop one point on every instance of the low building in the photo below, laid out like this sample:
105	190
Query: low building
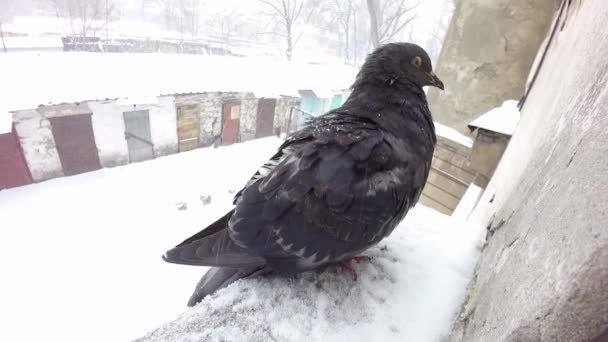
493	132
67	139
13	167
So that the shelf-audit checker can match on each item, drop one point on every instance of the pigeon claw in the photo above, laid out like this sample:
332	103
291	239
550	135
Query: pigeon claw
360	258
344	266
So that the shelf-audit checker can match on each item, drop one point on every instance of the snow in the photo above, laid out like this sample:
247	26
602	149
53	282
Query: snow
6	122
45	78
81	256
452	134
410	290
81	261
501	119
467	202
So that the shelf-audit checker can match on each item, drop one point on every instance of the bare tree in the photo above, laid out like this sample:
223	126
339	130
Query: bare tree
439	30
181	15
287	12
388	18
343	14
226	24
84	18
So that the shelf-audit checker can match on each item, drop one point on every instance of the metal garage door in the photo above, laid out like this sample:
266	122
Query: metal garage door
138	135
231	114
13	167
75	143
265	118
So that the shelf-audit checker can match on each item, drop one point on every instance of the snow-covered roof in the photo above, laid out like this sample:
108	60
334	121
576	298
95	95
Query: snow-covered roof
452	134
51	78
501	119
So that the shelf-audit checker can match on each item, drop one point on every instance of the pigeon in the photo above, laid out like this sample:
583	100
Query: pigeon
334	188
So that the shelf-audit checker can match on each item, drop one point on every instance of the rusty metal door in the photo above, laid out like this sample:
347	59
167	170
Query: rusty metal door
231	120
13	167
75	143
138	135
265	118
188	127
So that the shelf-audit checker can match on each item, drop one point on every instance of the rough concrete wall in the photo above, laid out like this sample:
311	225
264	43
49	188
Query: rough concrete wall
38	143
109	129
544	272
488	51
249	111
282	111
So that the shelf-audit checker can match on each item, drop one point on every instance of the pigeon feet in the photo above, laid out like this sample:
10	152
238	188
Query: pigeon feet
344	265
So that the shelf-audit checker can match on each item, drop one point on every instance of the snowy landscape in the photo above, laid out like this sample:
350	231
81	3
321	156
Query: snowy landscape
81	260
81	255
127	126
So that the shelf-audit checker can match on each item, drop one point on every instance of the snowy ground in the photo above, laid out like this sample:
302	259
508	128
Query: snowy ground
81	262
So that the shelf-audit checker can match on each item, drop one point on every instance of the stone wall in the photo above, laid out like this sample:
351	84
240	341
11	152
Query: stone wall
543	275
210	117
486	56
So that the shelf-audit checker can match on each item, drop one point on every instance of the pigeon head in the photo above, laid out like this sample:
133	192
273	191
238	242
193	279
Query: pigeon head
396	62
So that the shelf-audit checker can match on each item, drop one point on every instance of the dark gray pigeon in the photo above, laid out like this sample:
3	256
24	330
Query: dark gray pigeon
334	188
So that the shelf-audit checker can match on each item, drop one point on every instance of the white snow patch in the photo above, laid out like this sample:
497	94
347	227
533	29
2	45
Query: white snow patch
452	134
33	43
501	119
6	122
467	203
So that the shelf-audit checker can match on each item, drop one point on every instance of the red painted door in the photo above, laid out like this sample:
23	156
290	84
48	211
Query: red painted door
75	143
231	120
265	118
13	167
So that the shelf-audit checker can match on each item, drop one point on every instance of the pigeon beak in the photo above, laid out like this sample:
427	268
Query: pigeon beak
434	80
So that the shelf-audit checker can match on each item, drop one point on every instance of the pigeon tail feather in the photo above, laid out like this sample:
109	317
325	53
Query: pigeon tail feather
218	278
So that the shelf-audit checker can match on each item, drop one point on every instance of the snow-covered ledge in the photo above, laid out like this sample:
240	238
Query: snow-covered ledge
410	290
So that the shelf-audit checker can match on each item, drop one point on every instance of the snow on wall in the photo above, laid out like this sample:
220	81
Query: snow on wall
6	122
38	143
109	130
501	119
163	124
452	134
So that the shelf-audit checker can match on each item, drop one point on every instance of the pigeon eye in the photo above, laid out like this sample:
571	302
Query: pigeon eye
417	61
